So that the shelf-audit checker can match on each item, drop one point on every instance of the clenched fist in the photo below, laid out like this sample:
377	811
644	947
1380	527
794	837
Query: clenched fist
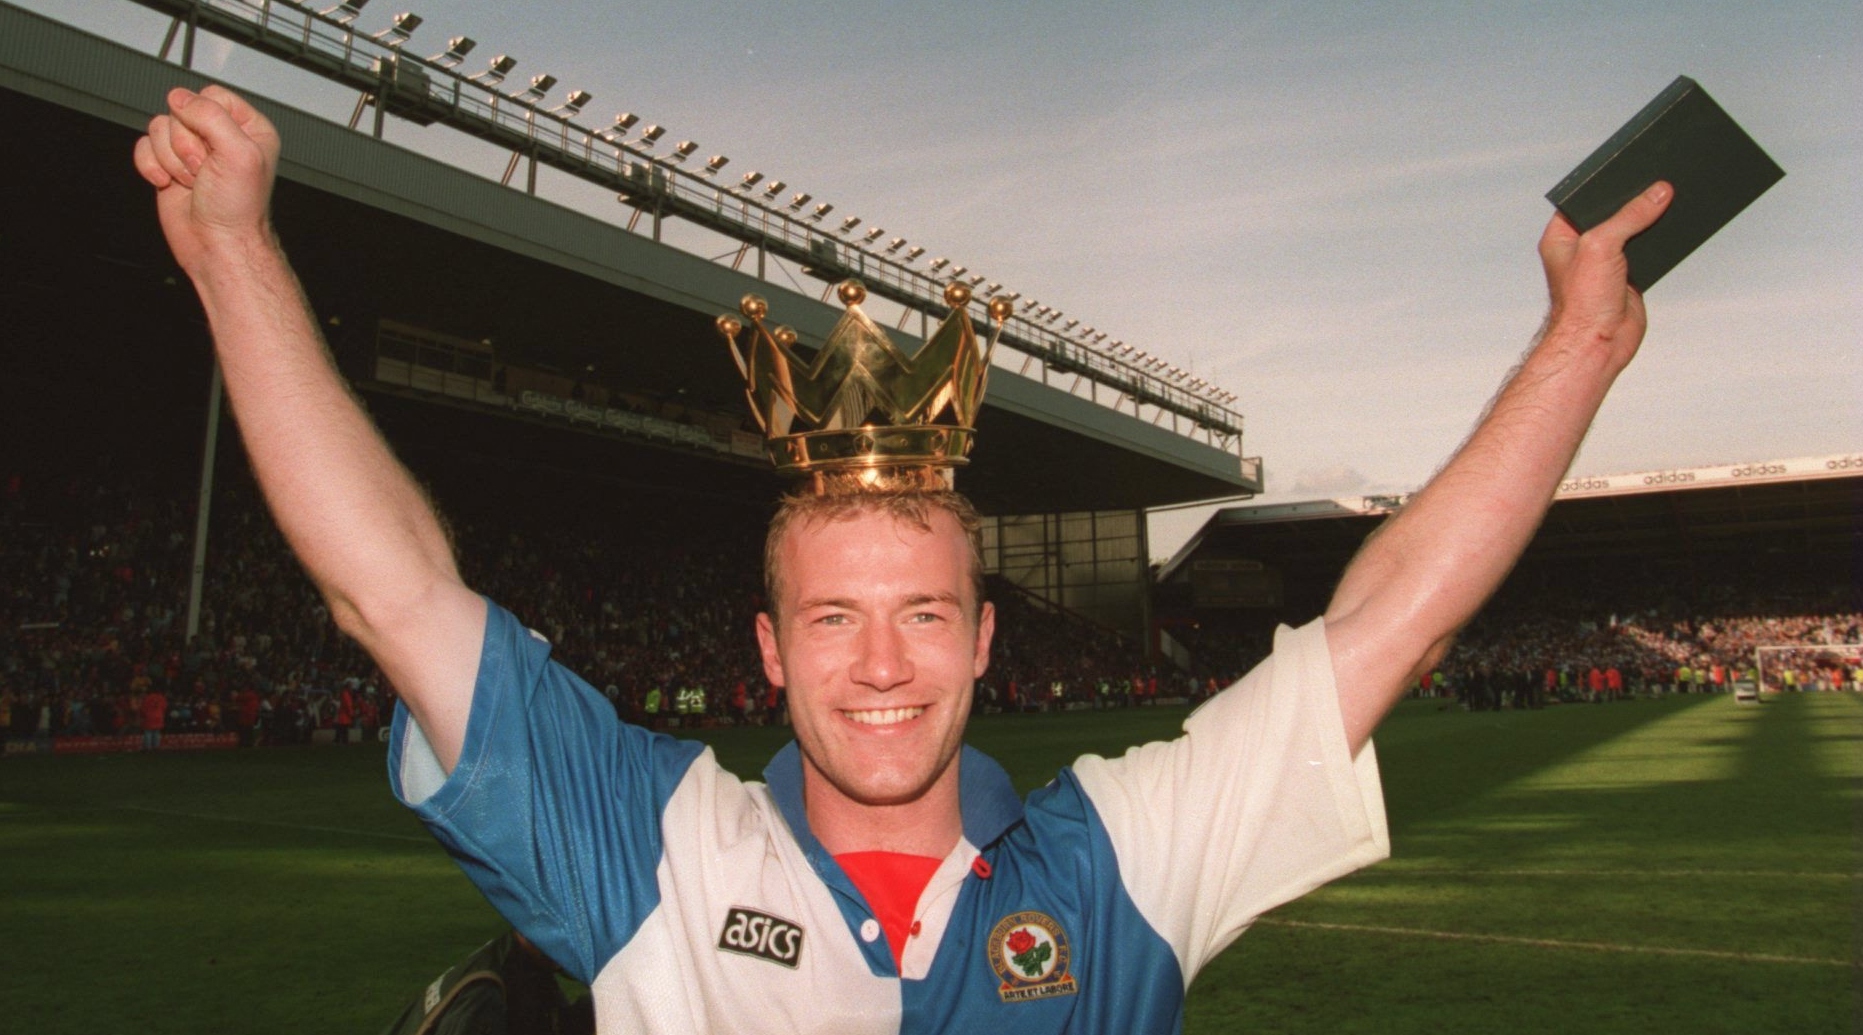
212	160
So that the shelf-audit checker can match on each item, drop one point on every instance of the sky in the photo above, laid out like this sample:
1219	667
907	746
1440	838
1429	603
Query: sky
1329	209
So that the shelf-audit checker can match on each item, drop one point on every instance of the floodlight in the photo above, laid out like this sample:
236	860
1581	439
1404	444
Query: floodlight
958	271
895	244
573	106
913	253
623	122
400	29
978	279
456	50
683	151
800	200
346	11
821	210
713	164
994	287
649	135
1070	325
1012	296
770	192
751	179
1030	304
849	223
539	85
873	235
501	66
938	264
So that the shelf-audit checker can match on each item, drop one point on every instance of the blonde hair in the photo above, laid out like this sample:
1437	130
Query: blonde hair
913	506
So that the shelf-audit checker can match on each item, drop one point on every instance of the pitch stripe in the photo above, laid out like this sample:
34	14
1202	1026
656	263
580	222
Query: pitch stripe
1548	943
1769	874
423	838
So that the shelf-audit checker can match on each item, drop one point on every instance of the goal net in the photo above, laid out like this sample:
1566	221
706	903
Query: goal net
1803	666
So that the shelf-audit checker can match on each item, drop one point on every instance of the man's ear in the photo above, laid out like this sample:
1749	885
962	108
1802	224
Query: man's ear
772	655
986	631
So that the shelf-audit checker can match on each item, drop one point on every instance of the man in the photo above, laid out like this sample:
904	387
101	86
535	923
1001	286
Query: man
883	877
154	711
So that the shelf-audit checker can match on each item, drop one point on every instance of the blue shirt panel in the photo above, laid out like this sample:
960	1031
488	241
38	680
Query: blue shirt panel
553	809
1058	862
987	803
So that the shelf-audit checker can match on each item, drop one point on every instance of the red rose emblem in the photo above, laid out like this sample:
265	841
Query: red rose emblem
1021	941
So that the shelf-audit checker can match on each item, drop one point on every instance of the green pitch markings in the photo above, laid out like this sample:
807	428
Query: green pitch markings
1678	865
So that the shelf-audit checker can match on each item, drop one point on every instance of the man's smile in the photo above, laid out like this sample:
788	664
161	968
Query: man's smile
884	716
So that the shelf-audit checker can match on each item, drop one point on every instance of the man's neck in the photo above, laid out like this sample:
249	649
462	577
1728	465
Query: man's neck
929	825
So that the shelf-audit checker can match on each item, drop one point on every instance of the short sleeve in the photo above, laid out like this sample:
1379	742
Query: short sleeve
1259	802
554	807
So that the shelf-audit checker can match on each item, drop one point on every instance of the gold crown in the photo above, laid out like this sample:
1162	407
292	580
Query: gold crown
861	416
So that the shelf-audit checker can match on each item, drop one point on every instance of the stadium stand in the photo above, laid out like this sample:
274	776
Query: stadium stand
1647	622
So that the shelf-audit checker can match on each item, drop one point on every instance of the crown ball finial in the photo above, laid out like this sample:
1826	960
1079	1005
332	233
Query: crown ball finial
957	294
1001	309
729	326
754	307
784	335
852	292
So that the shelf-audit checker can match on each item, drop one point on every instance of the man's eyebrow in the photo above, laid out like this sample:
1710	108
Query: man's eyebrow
915	600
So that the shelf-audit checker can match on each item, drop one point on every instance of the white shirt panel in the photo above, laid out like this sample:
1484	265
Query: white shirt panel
1258	803
726	846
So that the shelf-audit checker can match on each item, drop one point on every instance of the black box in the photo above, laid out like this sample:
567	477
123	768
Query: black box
1685	138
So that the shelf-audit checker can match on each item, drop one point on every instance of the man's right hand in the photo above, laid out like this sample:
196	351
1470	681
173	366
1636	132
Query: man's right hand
211	159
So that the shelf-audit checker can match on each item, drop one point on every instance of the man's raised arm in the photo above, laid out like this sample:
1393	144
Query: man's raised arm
365	532
1424	573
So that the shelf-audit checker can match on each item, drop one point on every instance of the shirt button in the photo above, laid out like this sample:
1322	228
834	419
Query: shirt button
915	928
869	929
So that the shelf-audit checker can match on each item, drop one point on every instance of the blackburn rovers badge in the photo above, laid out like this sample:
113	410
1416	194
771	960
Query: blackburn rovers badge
1030	953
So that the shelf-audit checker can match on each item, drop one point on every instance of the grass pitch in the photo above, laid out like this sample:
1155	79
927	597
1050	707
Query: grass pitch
1684	865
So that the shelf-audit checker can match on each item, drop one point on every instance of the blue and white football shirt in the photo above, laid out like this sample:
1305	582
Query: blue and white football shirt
692	901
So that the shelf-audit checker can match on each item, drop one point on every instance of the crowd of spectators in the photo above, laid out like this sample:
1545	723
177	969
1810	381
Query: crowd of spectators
1639	638
653	601
1043	660
1586	640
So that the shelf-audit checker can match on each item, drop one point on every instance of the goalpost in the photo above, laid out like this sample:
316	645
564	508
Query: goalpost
1808	666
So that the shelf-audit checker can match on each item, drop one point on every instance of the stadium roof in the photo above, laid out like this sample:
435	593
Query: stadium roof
378	232
1810	505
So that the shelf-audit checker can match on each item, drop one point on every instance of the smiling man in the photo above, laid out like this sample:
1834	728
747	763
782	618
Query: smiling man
882	877
878	628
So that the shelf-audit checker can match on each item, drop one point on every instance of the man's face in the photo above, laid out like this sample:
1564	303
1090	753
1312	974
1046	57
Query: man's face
878	642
